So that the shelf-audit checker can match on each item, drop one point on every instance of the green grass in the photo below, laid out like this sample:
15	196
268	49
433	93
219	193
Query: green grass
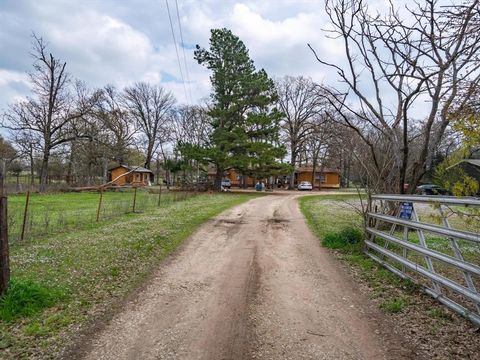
394	305
26	298
74	276
60	212
348	238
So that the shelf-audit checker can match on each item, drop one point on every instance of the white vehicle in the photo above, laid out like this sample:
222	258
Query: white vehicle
305	185
226	183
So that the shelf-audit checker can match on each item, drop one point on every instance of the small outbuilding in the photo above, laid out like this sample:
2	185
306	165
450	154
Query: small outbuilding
131	175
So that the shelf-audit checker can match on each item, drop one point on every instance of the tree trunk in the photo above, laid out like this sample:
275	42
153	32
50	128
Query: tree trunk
148	155
70	166
44	171
157	170
218	179
314	168
105	169
347	177
32	166
293	161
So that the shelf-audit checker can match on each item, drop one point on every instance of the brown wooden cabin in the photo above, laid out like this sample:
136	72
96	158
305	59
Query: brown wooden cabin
328	178
232	175
140	176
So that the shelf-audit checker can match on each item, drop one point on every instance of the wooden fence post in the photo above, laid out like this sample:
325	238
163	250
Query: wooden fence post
134	197
100	204
159	194
4	257
25	214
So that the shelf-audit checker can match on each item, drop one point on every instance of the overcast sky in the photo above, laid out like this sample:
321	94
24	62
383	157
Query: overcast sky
120	42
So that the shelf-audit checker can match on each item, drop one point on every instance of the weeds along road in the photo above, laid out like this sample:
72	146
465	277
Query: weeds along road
252	283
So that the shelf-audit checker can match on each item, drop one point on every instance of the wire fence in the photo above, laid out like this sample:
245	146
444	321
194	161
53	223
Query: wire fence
31	214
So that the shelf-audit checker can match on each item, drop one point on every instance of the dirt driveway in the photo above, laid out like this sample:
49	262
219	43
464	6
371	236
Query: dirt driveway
252	283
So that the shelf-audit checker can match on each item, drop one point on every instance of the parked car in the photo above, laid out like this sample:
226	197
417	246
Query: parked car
431	189
226	183
305	185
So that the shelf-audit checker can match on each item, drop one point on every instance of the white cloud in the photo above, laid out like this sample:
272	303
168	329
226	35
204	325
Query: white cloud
7	77
106	42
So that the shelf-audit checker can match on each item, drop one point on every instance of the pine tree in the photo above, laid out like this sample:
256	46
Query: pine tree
243	117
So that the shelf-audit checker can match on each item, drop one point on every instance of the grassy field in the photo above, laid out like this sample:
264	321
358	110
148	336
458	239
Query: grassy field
61	282
53	213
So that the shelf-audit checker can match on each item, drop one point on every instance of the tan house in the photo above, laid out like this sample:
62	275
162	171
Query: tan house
130	175
232	175
327	179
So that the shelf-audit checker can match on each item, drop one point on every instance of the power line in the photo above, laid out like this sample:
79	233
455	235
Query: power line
176	51
183	50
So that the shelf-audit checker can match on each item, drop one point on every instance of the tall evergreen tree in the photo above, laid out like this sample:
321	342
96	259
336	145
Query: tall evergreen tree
243	117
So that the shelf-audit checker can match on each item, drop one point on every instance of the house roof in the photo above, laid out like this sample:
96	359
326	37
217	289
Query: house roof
138	169
474	162
310	169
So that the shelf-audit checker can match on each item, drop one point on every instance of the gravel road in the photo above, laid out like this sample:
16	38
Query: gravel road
252	283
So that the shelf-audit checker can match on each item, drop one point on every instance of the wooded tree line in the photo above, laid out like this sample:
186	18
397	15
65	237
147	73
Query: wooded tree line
406	100
411	75
65	131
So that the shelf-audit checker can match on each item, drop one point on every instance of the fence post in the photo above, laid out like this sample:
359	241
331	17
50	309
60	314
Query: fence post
134	197
99	204
25	213
4	259
159	194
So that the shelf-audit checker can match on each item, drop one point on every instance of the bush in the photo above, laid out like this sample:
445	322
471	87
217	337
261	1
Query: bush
347	238
26	298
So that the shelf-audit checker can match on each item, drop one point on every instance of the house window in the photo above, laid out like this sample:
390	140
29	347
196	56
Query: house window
321	178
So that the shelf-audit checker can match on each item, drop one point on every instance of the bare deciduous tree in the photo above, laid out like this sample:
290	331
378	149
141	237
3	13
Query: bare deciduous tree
299	100
420	58
320	142
50	117
150	106
116	121
191	125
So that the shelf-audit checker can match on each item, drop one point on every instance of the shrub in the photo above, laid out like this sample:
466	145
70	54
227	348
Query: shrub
26	298
347	238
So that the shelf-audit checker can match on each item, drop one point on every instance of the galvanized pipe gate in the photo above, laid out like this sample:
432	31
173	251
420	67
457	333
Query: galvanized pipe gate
401	242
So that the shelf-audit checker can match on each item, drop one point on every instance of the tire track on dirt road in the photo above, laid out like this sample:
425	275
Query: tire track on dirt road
252	283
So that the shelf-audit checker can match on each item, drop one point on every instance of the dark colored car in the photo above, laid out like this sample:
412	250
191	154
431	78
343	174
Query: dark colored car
431	189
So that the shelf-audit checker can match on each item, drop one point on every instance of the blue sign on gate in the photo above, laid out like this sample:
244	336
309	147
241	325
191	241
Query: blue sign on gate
406	209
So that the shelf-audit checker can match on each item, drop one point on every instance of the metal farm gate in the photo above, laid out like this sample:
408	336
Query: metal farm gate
429	251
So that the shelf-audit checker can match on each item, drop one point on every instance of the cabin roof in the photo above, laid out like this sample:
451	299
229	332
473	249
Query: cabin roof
309	169
138	169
